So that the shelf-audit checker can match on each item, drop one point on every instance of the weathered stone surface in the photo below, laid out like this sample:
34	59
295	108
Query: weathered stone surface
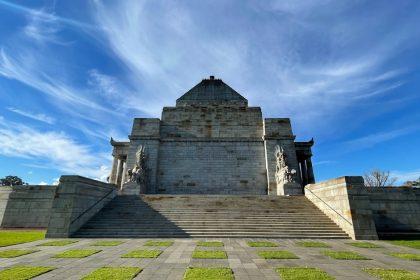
340	200
26	206
366	212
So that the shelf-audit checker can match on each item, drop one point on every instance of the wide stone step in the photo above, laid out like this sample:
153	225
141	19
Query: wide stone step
212	217
259	235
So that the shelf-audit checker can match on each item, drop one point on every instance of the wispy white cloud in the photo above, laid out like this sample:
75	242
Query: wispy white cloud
404	176
42	183
45	16
55	149
39	117
324	162
294	52
375	138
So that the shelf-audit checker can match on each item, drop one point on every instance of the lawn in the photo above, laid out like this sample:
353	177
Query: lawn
15	253
194	273
303	273
159	243
143	254
277	255
113	273
216	254
314	244
23	272
406	256
407	243
392	274
210	244
364	245
77	253
344	255
107	243
58	243
262	244
13	237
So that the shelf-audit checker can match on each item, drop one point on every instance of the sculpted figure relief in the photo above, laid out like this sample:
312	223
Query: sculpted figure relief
283	173
139	173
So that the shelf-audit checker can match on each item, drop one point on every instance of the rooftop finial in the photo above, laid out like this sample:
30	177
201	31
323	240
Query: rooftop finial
211	77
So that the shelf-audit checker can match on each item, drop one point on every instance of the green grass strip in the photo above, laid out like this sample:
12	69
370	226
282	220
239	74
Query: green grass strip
195	273
24	272
58	243
140	254
210	244
77	253
407	243
262	244
107	243
209	254
277	255
113	273
15	253
13	237
392	274
313	244
364	245
159	243
406	256
344	255
303	273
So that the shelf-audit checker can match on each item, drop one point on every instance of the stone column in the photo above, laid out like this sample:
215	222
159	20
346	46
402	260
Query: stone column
119	172
113	175
310	170
124	174
304	173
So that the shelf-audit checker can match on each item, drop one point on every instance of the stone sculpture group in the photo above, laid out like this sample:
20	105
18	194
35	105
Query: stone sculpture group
138	174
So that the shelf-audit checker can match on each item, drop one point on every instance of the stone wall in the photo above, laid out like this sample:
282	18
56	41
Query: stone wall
212	167
211	122
345	202
366	213
76	201
396	210
26	206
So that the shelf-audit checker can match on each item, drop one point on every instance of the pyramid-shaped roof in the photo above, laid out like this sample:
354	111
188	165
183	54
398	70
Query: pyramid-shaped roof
212	92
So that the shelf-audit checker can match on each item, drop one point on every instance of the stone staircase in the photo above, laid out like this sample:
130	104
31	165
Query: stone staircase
210	216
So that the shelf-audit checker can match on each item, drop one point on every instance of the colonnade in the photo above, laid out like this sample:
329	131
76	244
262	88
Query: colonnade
306	170
118	170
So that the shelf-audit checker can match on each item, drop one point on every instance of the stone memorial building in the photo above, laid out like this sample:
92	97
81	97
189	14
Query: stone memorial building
213	167
212	142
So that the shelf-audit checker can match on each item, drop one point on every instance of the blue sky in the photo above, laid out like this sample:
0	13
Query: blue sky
75	73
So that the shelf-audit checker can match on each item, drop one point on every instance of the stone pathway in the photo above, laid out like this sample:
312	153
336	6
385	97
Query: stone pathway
242	259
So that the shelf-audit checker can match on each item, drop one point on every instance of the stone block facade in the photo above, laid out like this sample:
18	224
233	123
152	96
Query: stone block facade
211	142
27	206
76	200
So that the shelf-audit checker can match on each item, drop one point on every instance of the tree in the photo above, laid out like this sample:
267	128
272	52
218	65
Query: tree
11	181
415	183
379	178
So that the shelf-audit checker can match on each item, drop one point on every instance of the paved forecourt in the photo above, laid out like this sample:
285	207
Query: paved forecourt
244	260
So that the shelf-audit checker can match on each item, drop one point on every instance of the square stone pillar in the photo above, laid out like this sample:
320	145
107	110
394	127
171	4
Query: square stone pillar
279	132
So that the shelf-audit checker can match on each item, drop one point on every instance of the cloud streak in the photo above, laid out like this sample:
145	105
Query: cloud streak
39	117
56	149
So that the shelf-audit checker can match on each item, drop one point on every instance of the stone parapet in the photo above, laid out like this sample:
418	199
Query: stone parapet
395	209
27	206
344	201
77	199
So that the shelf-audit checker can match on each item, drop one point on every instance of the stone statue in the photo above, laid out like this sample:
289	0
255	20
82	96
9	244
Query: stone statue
139	173
283	174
